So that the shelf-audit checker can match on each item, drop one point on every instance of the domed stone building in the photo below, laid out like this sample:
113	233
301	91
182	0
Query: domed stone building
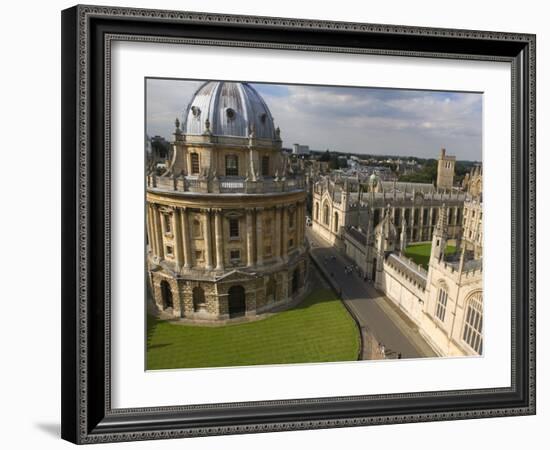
226	219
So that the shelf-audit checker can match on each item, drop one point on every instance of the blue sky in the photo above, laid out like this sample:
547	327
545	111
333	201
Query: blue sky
348	119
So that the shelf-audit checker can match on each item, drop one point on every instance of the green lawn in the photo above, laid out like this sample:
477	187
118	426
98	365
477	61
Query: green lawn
420	253
317	330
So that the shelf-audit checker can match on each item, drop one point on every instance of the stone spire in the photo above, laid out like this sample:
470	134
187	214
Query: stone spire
439	239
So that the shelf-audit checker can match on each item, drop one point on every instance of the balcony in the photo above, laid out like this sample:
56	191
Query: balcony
224	185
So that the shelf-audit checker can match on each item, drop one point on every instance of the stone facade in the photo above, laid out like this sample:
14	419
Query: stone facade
226	222
340	204
445	170
446	300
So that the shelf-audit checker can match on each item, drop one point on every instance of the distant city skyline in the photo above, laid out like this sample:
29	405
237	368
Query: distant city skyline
374	121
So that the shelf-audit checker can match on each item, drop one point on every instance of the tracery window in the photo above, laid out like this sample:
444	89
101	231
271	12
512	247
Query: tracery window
441	306
473	323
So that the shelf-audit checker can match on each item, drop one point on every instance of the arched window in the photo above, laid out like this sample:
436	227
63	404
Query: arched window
336	222
473	322
199	301
231	165
317	211
441	305
325	214
195	163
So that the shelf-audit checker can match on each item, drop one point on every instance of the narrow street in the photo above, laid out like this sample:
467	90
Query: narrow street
372	309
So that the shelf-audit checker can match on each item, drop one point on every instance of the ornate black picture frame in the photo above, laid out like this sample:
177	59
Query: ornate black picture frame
87	35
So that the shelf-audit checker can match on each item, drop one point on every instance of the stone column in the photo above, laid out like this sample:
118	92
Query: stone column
186	242
150	230
249	239
176	226
411	223
158	232
207	240
219	240
421	226
284	233
259	236
277	234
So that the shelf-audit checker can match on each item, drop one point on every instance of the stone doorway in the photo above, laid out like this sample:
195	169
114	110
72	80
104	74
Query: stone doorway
199	301
166	294
295	281
236	301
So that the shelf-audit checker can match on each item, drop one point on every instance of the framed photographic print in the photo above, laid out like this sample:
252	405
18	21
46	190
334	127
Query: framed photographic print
280	224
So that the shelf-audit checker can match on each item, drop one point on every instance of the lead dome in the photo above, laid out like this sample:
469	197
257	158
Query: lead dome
229	109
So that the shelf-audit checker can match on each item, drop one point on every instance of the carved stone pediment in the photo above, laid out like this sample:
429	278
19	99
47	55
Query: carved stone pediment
234	214
236	276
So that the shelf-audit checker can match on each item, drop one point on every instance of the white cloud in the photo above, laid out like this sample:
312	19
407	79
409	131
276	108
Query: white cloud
383	121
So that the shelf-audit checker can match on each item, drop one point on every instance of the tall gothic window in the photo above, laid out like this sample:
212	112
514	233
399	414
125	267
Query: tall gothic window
231	165
316	211
265	166
194	163
336	221
473	323
233	228
325	214
441	306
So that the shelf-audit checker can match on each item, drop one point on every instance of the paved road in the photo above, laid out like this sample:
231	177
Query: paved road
388	327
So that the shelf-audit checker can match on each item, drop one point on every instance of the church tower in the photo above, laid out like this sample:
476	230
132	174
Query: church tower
445	170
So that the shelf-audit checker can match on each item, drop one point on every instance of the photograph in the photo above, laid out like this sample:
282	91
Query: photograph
294	222
300	224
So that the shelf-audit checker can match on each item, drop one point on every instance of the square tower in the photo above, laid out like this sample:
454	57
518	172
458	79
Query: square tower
445	170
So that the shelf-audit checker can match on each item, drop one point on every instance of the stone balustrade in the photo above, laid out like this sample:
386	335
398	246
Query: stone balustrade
225	185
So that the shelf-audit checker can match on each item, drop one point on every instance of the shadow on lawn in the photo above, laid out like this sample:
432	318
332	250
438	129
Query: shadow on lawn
152	323
157	346
317	296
